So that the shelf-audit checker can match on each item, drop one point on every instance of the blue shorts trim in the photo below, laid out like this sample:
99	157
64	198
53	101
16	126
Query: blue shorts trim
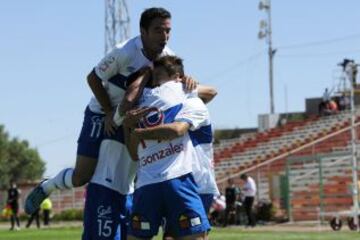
106	214
176	200
207	200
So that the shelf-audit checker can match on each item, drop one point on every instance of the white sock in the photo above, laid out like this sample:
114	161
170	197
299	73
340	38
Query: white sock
63	180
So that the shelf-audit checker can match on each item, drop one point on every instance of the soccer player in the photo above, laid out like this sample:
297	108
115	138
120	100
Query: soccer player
108	199
202	164
108	83
165	186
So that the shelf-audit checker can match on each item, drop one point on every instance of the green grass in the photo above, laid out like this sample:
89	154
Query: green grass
216	234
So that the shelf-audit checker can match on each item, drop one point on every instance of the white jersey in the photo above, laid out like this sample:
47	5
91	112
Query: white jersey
201	138
249	188
115	168
116	66
165	160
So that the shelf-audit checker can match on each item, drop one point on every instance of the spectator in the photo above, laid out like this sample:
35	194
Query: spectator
326	96
344	102
13	202
231	195
46	207
249	191
36	216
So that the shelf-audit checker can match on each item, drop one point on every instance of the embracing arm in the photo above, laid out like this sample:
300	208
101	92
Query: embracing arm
132	94
162	132
131	142
206	93
135	89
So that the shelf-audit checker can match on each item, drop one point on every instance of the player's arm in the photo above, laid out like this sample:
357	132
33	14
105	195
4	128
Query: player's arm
108	67
131	143
99	91
138	81
129	123
166	131
206	93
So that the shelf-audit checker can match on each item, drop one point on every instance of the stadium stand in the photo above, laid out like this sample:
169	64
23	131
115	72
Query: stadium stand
265	155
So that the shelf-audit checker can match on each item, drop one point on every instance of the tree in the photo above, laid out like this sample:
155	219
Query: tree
18	161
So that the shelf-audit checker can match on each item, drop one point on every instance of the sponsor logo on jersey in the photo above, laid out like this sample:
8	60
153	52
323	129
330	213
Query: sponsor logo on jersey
162	153
104	212
106	63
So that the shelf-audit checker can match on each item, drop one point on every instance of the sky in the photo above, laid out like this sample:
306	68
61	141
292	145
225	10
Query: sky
47	48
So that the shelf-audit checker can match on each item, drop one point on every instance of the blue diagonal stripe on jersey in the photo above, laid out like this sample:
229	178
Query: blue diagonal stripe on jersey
119	80
201	135
171	112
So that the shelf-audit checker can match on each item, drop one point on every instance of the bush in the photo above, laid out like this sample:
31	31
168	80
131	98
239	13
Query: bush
69	215
265	211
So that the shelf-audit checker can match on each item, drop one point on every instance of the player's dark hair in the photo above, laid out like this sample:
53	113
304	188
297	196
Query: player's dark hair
244	176
171	64
150	14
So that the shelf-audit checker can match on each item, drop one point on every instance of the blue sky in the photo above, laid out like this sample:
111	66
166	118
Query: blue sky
48	47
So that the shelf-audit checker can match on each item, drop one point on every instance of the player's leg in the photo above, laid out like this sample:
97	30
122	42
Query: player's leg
87	153
101	213
207	200
185	214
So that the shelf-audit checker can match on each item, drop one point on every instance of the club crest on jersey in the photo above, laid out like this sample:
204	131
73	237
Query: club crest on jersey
189	220
153	118
138	223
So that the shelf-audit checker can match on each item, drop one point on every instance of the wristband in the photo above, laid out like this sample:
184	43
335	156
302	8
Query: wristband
118	117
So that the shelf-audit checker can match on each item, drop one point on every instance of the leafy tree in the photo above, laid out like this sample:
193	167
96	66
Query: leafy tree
18	161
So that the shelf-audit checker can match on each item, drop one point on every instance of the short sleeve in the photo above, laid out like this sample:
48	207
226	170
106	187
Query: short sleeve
111	64
193	112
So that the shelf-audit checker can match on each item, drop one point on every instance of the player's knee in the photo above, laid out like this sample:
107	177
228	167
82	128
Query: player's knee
84	169
80	178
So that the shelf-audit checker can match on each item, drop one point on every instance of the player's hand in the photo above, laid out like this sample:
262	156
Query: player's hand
189	83
109	124
132	117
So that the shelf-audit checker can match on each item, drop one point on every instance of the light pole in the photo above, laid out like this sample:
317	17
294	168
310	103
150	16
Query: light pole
350	69
265	32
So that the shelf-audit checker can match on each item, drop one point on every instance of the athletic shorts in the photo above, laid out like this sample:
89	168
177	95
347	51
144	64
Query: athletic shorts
176	200
106	214
207	200
91	135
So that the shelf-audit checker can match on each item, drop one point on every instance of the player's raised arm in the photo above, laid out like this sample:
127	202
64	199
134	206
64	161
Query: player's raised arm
206	93
137	83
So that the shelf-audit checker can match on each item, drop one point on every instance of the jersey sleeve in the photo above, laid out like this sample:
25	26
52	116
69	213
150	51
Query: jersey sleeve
193	112
111	64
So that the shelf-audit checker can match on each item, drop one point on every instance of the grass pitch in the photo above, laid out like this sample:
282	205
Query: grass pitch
216	234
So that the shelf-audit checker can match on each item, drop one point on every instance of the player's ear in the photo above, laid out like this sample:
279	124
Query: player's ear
177	76
143	31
